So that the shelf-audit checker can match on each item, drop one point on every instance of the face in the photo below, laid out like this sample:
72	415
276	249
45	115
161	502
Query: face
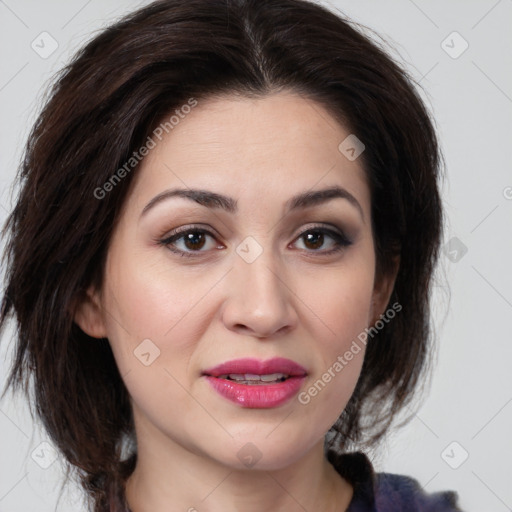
266	277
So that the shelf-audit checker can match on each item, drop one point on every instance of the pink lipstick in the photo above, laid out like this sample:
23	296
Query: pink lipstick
257	384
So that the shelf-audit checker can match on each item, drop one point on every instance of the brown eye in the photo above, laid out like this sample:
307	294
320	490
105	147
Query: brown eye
194	240
316	238
186	242
314	241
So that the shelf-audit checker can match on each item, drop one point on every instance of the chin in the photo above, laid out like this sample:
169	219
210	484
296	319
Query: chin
267	450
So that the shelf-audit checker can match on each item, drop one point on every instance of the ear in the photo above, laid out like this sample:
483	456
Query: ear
88	314
382	290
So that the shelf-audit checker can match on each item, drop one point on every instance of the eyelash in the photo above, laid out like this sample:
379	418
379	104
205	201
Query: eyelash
341	241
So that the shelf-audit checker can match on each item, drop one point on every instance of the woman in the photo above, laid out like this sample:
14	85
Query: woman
220	261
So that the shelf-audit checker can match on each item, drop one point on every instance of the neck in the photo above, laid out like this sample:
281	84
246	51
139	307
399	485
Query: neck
176	479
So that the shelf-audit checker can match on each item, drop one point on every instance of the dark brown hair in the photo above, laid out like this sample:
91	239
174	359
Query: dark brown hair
102	108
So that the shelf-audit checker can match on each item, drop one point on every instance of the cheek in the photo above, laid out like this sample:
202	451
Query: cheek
157	318
341	300
149	301
154	323
341	303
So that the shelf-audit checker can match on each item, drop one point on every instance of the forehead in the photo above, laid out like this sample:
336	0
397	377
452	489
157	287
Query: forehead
282	142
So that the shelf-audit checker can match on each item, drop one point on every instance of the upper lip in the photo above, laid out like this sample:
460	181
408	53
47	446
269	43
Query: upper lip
257	367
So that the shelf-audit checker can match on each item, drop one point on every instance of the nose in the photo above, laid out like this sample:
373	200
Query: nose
259	298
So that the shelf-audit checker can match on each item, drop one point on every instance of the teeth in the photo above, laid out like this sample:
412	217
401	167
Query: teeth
273	376
252	378
247	376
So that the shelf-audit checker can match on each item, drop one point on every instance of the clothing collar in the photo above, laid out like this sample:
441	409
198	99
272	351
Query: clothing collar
357	469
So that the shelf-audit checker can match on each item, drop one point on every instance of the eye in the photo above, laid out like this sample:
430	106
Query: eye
315	238
188	240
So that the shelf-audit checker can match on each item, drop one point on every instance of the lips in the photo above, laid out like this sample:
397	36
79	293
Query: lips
257	384
257	367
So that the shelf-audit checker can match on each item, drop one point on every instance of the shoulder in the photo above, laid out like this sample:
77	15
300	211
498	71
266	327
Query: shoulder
394	493
388	492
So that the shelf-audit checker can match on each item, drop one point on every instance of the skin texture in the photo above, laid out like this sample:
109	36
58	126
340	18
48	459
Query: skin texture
294	300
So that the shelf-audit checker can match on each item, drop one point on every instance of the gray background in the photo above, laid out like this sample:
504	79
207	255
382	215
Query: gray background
468	411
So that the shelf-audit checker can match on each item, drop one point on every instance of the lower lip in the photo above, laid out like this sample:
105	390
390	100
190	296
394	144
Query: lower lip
258	396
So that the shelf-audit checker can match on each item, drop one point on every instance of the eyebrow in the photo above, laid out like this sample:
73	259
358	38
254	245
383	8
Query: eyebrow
218	201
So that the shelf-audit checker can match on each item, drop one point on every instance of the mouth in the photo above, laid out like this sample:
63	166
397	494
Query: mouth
252	370
255	380
257	384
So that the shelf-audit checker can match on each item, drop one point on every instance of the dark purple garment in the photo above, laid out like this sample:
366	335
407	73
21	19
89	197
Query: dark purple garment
387	492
